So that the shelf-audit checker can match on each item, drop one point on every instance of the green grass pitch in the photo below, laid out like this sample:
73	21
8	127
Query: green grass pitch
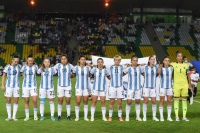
48	126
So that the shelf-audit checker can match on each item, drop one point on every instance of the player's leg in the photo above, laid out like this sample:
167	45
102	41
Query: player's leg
145	102
78	102
42	96
137	104
8	95
128	104
120	96
177	93
103	106
52	108
162	99
153	101
85	102
34	99
60	94
25	95
112	96
15	105
184	95
8	108
94	101
68	94
169	105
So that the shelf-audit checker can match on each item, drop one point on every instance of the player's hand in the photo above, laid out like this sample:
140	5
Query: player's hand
3	88
190	87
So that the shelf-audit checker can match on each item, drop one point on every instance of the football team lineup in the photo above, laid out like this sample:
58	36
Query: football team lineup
175	82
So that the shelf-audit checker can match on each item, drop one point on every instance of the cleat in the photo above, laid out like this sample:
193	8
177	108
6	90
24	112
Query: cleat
92	119
59	118
15	119
86	119
185	119
162	119
169	119
69	118
52	118
104	119
77	119
144	119
42	118
177	118
8	119
127	119
155	119
110	119
120	119
26	119
35	118
138	119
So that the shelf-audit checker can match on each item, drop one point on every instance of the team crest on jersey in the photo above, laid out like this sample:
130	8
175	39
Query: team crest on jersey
184	67
128	96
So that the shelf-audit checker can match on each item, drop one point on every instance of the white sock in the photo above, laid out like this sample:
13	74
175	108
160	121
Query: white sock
27	113
42	108
35	112
15	108
77	111
103	109
68	107
85	111
169	110
59	109
120	113
110	112
92	111
154	110
8	107
137	109
52	107
144	110
161	112
128	109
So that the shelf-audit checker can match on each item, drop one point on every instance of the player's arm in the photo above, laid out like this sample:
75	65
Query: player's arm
3	80
159	68
189	79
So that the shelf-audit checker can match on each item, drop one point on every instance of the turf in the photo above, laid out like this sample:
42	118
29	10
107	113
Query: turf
48	126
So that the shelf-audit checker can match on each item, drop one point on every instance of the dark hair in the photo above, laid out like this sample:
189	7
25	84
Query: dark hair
149	59
178	52
80	58
15	56
133	57
164	59
63	55
184	57
29	56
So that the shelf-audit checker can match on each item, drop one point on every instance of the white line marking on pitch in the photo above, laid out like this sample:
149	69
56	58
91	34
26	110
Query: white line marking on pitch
196	101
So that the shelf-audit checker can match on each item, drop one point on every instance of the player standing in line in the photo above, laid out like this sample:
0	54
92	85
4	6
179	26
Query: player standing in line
194	80
149	89
180	84
166	88
29	86
64	87
12	71
99	88
46	88
82	72
116	89
134	87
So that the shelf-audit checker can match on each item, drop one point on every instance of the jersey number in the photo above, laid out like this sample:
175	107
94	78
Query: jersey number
116	70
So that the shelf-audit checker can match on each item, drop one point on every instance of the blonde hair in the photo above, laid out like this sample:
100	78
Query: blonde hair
117	57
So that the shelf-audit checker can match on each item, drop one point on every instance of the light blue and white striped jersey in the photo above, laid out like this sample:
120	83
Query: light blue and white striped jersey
64	72
46	78
99	78
13	73
116	73
166	77
29	73
82	77
134	77
150	74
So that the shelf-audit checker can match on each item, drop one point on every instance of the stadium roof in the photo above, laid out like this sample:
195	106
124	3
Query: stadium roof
97	6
